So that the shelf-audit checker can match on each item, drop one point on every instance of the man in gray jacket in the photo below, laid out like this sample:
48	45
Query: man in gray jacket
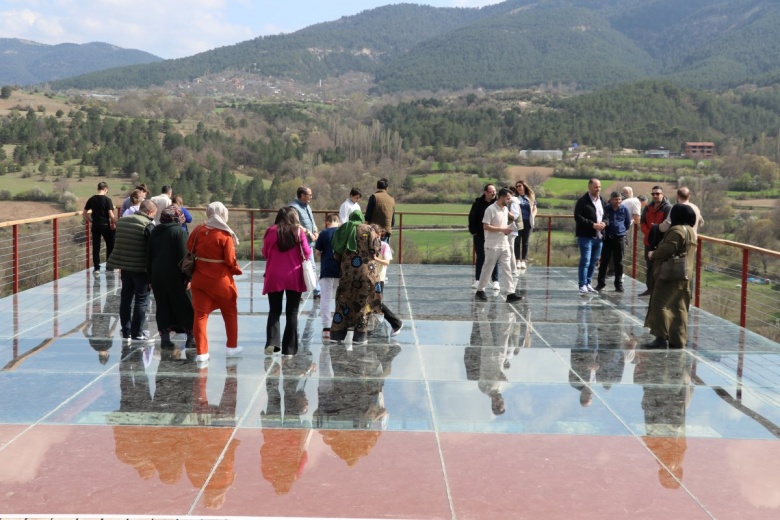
302	205
129	255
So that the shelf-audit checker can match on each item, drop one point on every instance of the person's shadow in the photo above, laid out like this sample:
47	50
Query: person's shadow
667	390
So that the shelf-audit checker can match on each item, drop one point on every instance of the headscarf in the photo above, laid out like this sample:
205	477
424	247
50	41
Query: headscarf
344	237
217	217
682	214
172	214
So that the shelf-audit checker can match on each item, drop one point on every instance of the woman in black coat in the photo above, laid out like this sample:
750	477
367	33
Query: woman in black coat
167	246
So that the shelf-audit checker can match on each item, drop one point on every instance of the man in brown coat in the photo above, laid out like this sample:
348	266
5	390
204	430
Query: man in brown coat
381	208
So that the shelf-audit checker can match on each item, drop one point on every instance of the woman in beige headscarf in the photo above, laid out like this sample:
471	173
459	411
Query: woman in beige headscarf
214	245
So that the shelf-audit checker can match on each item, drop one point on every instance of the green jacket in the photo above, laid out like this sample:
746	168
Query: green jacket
132	236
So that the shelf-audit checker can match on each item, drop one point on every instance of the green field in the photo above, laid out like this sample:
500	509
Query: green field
648	162
433	221
556	187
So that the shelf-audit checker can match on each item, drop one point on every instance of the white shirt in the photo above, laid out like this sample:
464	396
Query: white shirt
385	253
162	201
496	216
634	207
514	209
599	213
346	209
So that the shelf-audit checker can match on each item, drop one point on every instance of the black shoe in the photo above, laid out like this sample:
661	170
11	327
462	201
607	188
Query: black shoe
656	343
481	296
600	287
646	293
512	298
619	288
316	297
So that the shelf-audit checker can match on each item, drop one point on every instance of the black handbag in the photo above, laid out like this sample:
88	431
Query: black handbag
675	268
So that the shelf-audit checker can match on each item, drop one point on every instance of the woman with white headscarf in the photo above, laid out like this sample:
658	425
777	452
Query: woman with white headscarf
214	245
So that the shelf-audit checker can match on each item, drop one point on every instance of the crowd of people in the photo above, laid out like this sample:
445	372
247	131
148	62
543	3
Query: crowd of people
148	243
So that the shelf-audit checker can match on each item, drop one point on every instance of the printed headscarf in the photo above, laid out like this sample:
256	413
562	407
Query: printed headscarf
172	214
217	217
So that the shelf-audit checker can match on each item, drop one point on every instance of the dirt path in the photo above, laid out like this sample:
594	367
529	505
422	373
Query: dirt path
19	210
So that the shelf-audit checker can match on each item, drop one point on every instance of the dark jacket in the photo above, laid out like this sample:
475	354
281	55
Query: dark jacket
476	214
166	247
132	236
585	216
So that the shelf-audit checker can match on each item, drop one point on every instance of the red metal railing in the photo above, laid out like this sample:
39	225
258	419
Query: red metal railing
34	260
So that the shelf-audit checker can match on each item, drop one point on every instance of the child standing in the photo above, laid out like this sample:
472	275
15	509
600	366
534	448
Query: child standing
330	272
383	260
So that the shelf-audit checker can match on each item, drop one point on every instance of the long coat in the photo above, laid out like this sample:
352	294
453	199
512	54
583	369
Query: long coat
667	314
167	246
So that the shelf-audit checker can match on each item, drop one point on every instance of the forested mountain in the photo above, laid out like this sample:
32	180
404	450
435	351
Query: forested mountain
25	63
517	43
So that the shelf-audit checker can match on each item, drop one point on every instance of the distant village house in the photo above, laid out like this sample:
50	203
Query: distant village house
541	155
699	150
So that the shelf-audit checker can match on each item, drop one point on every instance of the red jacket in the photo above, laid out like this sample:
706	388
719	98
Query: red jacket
653	214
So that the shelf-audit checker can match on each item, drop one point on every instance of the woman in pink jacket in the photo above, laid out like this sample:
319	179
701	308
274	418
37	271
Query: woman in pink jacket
284	248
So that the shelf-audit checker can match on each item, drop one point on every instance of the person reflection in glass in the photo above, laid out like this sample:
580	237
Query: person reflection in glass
488	355
352	413
667	392
103	322
603	347
286	433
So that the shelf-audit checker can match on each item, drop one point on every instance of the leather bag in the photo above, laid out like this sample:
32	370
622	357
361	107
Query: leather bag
187	263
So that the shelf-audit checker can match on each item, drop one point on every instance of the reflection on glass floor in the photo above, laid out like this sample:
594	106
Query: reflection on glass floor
548	408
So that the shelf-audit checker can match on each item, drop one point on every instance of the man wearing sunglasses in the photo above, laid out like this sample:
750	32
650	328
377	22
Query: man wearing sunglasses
652	216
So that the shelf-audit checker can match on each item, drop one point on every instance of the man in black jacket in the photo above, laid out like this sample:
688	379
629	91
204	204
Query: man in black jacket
476	214
590	220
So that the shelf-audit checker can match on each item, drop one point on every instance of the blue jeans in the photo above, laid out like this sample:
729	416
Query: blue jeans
590	251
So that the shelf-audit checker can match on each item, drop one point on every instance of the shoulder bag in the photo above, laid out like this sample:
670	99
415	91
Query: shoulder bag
187	263
675	268
309	276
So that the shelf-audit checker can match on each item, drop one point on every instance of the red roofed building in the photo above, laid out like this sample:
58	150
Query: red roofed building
699	150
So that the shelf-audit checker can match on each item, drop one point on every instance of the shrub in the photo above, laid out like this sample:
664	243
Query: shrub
69	201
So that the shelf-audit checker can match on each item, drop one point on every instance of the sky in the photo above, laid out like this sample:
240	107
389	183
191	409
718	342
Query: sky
177	28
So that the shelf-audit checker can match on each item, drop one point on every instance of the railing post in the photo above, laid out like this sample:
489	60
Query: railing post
633	252
55	230
15	258
549	239
89	238
252	235
743	297
697	287
400	238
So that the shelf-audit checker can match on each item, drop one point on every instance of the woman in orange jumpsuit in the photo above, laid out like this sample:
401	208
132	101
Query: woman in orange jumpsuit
213	287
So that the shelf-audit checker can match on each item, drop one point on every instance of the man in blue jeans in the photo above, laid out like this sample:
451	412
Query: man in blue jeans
590	219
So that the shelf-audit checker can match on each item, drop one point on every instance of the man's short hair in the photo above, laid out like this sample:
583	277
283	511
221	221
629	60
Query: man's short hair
683	193
102	186
382	184
489	184
302	190
656	188
615	194
148	207
166	189
332	218
503	192
354	192
642	198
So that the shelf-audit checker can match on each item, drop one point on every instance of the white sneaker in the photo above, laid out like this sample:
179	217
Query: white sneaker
396	332
202	360
584	289
591	288
233	352
496	286
523	265
475	285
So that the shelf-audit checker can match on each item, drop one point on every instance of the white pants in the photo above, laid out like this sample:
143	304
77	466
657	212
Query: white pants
512	260
328	288
500	256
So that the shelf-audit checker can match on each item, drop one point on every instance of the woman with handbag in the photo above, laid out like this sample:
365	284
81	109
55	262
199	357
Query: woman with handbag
285	247
356	245
213	244
673	259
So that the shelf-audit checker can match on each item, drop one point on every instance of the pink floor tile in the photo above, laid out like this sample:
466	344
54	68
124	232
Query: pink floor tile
735	479
366	474
559	477
9	431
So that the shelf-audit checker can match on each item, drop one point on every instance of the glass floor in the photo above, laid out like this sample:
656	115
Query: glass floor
543	409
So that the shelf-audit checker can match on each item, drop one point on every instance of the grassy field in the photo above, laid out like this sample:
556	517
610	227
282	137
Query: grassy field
657	163
433	221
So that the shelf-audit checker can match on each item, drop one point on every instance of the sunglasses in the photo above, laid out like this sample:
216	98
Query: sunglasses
657	193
